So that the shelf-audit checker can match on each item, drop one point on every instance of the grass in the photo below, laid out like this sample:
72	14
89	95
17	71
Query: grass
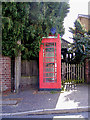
61	91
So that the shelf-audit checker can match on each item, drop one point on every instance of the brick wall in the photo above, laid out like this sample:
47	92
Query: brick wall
5	74
87	71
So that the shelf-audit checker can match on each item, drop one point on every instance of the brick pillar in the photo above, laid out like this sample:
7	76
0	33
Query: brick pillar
87	71
5	74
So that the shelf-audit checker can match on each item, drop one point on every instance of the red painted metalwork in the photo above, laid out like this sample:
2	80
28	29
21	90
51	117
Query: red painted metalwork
50	63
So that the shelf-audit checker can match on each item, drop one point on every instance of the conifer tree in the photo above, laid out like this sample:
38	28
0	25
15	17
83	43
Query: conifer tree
29	22
14	18
81	41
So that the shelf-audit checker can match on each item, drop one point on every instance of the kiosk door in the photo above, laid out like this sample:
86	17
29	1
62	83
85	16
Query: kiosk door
50	64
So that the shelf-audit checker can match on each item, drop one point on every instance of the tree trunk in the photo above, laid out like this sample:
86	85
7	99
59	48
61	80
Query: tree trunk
18	70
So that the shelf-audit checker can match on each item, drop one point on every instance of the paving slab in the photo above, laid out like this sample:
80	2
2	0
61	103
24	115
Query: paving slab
9	102
43	102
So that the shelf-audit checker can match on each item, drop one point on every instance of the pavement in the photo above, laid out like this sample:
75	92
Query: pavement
32	101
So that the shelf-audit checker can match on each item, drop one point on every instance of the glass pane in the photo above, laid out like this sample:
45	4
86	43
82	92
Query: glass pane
49	59
49	44
55	49
49	64
55	74
49	79
55	54
49	54
49	74
55	64
49	49
55	69
49	70
55	44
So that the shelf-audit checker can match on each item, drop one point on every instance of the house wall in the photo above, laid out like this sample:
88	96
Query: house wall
5	74
85	22
64	43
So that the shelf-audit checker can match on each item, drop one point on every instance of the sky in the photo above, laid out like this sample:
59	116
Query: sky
76	7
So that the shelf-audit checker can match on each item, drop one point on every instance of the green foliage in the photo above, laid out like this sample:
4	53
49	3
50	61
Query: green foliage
42	17
75	81
81	42
53	92
28	23
14	16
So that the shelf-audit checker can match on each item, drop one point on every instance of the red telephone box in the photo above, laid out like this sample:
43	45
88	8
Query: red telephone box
50	63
